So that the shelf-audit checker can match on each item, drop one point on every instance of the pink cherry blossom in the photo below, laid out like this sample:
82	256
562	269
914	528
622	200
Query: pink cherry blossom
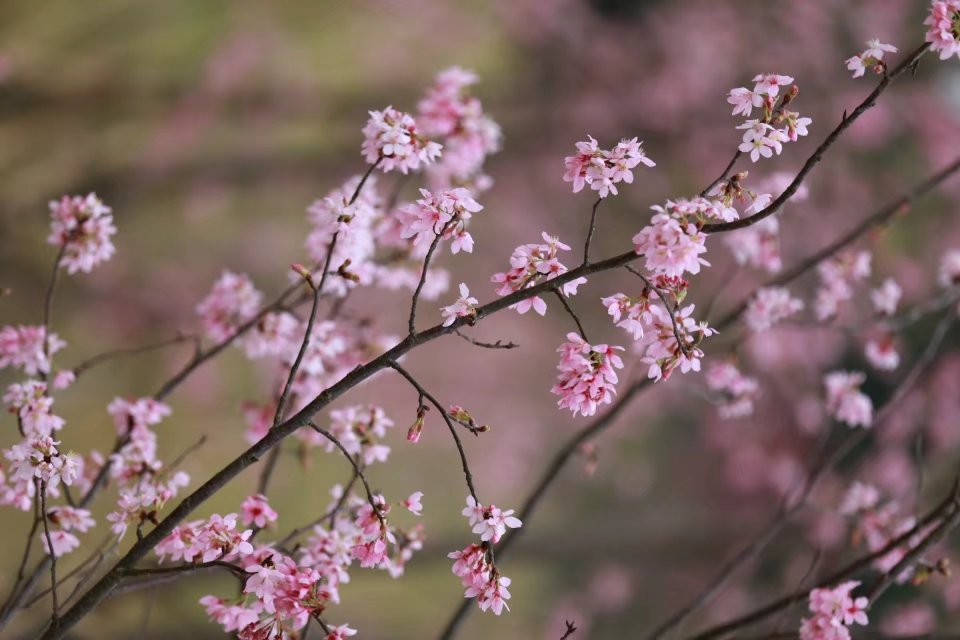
736	392
761	139
256	511
530	264
340	632
886	297
144	412
663	353
494	524
82	228
770	306
882	353
232	301
450	113
22	347
944	28
758	245
602	169
464	307
62	542
33	407
587	376
947	276
837	277
871	57
859	497
445	214
845	401
391	137
670	245
412	503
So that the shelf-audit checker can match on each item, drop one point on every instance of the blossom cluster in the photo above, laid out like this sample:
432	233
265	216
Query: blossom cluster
761	137
736	392
232	301
23	347
391	138
666	335
837	277
871	57
845	401
82	226
449	112
673	241
464	307
588	375
280	592
770	306
944	28
531	264
602	169
474	563
878	522
834	611
441	215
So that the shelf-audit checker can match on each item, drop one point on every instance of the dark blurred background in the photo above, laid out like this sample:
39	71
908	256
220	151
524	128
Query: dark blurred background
209	127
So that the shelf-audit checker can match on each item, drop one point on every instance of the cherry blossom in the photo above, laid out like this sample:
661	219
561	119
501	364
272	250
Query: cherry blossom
671	246
882	353
758	245
845	401
391	137
445	214
837	277
602	169
587	376
673	343
232	301
949	273
944	28
38	457
872	57
82	228
761	137
256	511
886	297
450	113
464	307
833	611
340	632
62	542
413	505
144	412
531	263
736	391
33	407
859	497
23	347
770	306
354	226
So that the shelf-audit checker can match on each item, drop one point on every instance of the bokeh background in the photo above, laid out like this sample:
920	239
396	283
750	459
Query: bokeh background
209	127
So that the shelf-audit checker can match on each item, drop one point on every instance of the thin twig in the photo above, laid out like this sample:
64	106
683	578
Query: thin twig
813	160
48	313
356	469
446	418
412	321
571	313
42	488
590	231
499	344
106	356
